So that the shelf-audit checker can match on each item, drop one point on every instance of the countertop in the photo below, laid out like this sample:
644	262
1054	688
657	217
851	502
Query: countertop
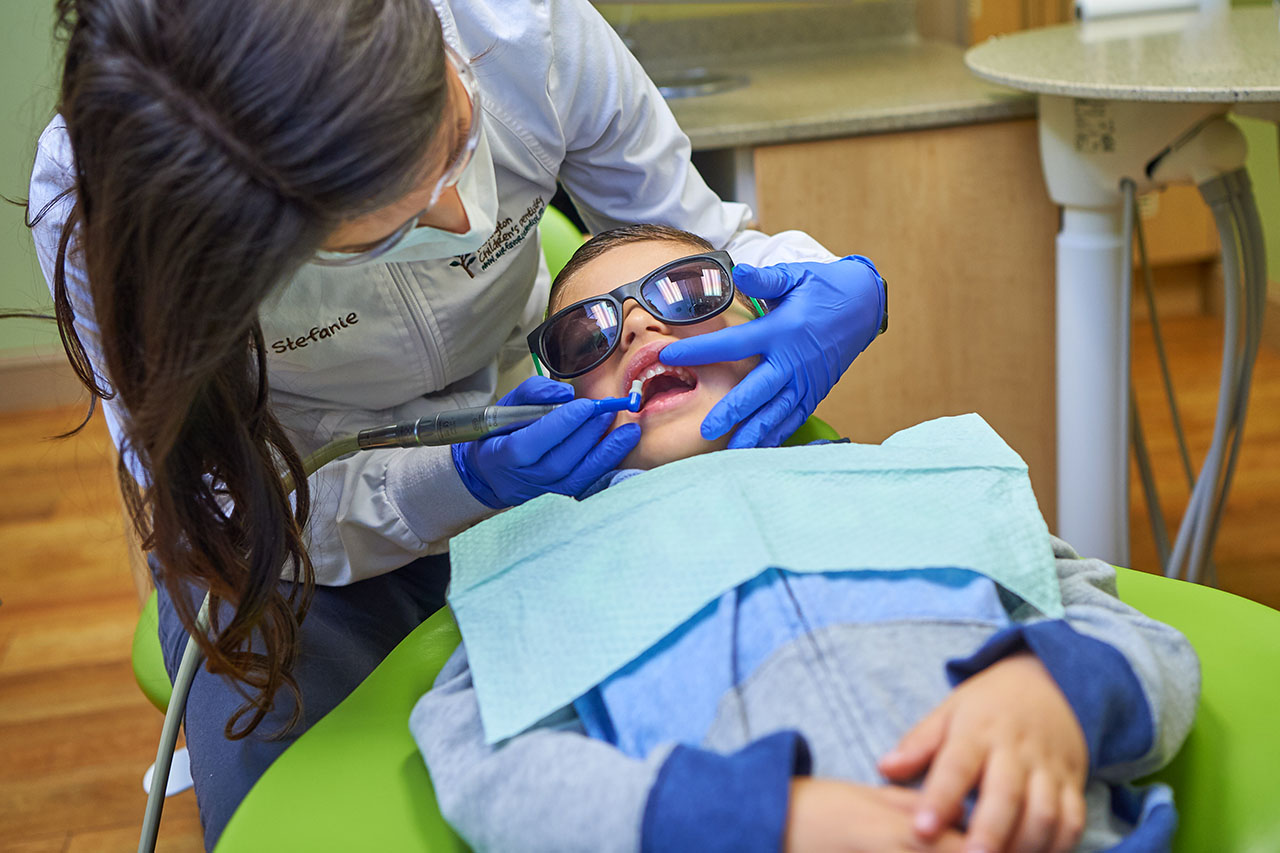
870	87
1216	56
815	71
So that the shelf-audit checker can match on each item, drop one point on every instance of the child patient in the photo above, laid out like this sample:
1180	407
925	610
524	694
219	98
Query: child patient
927	709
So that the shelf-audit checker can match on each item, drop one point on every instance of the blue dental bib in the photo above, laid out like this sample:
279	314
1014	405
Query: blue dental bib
554	596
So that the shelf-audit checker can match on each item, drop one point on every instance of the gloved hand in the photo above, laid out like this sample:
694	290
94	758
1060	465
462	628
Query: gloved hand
561	452
828	314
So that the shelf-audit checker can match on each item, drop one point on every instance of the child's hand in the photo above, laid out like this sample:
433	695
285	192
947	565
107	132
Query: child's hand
828	816
1009	731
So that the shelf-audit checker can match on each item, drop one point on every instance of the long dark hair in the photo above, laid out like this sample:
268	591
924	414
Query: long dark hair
216	144
605	241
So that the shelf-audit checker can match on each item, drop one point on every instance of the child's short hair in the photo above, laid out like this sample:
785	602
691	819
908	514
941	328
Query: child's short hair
606	240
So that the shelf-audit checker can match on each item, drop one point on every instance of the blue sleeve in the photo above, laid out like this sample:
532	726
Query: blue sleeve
1099	684
708	802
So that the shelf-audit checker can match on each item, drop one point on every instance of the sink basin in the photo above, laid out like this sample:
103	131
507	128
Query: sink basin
692	82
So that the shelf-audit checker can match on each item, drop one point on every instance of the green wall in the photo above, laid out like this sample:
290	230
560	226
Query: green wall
27	96
1264	173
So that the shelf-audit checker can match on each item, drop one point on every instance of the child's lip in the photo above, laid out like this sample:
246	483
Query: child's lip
639	362
645	358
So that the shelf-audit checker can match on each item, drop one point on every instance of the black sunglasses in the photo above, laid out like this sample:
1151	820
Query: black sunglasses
579	337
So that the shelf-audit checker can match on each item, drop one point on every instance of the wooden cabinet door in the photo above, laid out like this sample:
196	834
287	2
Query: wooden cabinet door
960	224
1178	227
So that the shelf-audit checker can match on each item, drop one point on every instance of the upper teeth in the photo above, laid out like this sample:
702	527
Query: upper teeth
683	375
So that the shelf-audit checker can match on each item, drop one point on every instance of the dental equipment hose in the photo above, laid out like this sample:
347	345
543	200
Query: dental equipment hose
1254	253
1158	527
1133	233
1196	531
191	657
1230	199
448	427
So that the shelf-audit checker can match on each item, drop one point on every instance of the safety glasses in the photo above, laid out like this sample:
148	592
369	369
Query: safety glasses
578	338
460	156
458	160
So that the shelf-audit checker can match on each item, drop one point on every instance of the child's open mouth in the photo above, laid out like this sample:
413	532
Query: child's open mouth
664	386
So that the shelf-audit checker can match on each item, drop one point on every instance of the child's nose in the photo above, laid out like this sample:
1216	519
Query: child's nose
637	321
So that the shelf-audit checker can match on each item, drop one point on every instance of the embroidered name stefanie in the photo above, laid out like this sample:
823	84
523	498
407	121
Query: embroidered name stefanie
317	333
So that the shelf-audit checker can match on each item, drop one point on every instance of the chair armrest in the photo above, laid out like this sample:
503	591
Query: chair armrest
1225	778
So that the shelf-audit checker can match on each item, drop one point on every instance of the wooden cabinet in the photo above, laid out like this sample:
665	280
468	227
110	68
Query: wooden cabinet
1178	226
987	18
959	223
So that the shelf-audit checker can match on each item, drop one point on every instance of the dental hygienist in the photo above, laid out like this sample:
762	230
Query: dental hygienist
270	223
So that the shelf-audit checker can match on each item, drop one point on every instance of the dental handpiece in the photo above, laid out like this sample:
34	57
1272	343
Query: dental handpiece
459	425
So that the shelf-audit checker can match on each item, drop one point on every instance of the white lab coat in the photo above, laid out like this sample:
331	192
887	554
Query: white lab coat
351	348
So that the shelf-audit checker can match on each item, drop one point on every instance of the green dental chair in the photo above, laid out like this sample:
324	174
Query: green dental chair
356	781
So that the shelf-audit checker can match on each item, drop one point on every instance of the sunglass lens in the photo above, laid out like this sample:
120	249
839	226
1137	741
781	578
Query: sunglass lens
689	292
579	339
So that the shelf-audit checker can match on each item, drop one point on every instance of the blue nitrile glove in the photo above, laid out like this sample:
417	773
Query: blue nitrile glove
561	452
825	316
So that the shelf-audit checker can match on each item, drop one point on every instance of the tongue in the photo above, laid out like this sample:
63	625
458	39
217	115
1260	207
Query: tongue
664	385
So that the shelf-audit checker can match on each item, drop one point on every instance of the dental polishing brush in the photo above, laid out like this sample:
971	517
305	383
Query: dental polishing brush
461	425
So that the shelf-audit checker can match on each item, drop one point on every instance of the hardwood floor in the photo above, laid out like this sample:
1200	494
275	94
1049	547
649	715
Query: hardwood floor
1248	549
76	734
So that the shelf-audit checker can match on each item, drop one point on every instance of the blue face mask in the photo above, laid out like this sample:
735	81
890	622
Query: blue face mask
478	189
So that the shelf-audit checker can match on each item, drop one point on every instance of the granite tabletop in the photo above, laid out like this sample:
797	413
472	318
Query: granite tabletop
814	71
1217	56
890	85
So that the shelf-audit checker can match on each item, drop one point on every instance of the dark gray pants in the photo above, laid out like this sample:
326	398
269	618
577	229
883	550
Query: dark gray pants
346	633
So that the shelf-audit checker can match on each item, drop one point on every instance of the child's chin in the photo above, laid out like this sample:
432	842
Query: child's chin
657	449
